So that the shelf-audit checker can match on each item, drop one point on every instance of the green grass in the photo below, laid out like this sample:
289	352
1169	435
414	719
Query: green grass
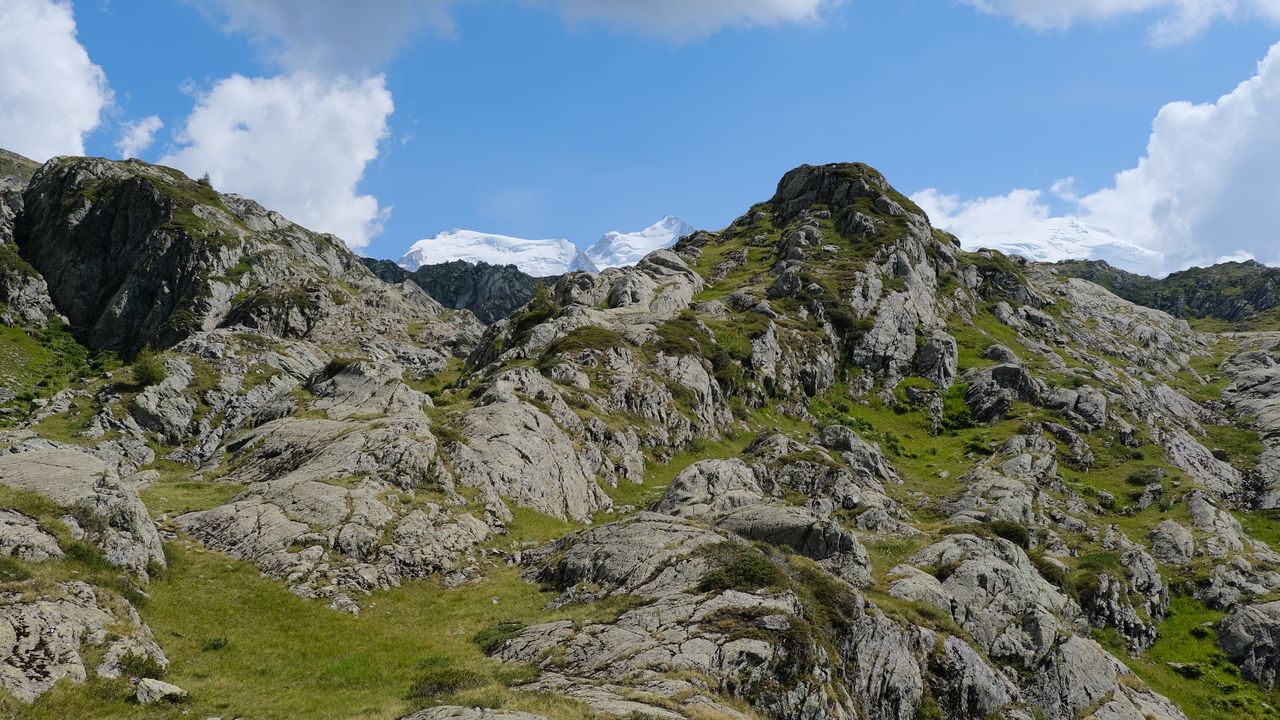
38	363
244	646
177	494
1209	687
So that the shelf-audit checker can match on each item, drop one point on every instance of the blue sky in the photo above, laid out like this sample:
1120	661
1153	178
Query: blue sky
542	120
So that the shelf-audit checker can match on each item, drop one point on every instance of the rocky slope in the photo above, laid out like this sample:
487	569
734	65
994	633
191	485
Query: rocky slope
821	464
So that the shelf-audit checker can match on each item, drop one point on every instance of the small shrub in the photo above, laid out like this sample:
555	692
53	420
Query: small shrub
1049	570
740	567
439	678
148	368
491	638
956	413
1011	531
88	556
89	519
1190	671
585	338
944	570
141	665
1144	477
215	643
11	570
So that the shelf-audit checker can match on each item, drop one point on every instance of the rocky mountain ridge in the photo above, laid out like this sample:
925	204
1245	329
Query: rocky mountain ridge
820	464
1233	292
491	292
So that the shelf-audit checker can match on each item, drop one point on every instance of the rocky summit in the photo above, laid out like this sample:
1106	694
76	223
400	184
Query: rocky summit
822	463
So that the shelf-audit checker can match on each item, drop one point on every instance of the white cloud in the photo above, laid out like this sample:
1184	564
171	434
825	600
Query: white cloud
1204	191
135	137
297	143
685	19
1177	20
330	34
339	34
51	95
984	216
1207	185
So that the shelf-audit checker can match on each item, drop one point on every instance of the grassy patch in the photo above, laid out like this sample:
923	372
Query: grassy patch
175	495
280	656
1186	666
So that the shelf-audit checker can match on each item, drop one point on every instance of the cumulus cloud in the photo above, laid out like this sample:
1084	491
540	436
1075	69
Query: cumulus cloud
51	95
1207	185
135	137
982	217
297	143
682	19
1176	20
1205	191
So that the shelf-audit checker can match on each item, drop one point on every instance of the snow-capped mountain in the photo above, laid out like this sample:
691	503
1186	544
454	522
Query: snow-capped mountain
618	249
539	258
1065	238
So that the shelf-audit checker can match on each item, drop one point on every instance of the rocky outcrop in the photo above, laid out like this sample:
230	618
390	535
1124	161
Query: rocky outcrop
21	537
136	255
102	509
492	292
44	639
150	691
1231	291
1250	636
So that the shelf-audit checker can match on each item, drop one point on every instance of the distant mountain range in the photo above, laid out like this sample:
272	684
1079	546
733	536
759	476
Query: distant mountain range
1061	238
544	258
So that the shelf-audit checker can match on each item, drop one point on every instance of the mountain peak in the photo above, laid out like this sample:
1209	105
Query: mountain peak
1063	238
540	258
619	249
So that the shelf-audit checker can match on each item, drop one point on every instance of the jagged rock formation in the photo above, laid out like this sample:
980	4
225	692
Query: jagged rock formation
1231	291
821	464
136	254
492	292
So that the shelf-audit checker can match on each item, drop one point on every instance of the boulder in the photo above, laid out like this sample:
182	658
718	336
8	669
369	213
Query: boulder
710	486
22	538
151	691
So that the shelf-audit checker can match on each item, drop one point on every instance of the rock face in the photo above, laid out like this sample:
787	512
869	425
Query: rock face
1250	636
24	297
136	254
492	292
